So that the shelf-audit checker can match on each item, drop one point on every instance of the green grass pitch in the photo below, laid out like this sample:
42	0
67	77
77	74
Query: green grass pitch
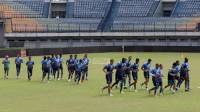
62	96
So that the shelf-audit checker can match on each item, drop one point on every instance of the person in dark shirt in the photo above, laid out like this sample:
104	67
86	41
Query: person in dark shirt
128	72
184	75
156	79
120	70
18	62
146	70
85	69
61	66
78	71
171	77
30	65
45	68
70	67
108	70
135	68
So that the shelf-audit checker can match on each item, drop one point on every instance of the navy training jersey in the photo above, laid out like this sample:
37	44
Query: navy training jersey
135	67
18	61
146	67
30	64
109	68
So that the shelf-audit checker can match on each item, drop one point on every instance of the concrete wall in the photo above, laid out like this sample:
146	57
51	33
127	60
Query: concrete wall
77	50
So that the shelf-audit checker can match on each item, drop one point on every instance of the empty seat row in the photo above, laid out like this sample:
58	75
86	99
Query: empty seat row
54	25
137	8
22	8
91	8
187	8
154	24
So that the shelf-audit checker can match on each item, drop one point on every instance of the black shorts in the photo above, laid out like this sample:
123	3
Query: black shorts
146	75
70	68
61	67
6	69
55	68
45	70
135	75
171	82
86	69
30	70
109	79
127	72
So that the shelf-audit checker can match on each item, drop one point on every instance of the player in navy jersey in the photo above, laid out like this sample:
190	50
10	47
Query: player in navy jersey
61	66
76	61
45	68
49	67
128	72
177	76
85	69
135	69
156	79
184	75
120	70
171	77
146	70
52	60
18	62
70	67
30	65
78	71
108	70
56	68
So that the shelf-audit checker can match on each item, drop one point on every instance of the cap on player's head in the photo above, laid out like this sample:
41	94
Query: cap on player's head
174	64
157	65
111	61
44	57
137	60
71	56
149	60
186	60
123	60
177	62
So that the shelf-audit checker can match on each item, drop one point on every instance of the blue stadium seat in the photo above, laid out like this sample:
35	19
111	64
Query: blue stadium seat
187	8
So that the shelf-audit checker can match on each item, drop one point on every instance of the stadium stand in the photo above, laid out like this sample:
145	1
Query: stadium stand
187	8
97	22
91	8
98	16
54	25
137	8
23	8
152	24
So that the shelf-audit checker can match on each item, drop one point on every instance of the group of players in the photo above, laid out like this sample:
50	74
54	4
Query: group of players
52	67
126	71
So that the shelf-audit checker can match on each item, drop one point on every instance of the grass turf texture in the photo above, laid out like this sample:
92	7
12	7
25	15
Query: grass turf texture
61	96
